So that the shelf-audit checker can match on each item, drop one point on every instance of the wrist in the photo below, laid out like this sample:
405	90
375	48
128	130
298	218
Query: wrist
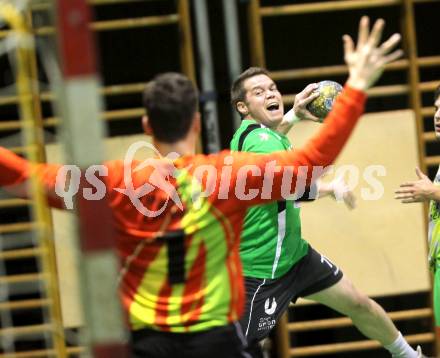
435	194
324	189
357	83
291	118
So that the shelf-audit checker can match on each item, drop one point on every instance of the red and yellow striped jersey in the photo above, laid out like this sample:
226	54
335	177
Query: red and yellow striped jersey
177	224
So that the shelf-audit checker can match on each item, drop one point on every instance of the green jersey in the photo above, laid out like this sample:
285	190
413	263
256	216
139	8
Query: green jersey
434	230
271	240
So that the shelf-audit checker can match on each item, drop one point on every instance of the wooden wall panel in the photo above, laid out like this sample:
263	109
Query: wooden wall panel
381	245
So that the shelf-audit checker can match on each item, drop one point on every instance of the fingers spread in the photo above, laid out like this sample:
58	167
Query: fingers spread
348	45
392	57
407	184
389	44
412	200
420	174
363	31
376	33
406	198
366	62
404	191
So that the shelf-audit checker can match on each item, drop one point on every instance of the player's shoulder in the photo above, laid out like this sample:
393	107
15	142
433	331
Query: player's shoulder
263	134
253	133
263	139
246	127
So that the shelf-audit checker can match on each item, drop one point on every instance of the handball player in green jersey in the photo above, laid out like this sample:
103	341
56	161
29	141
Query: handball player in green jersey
424	190
278	264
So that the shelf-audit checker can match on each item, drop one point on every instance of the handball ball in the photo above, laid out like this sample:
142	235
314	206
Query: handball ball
323	104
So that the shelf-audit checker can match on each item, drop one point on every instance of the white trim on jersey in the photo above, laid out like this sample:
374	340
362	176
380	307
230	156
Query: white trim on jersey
280	239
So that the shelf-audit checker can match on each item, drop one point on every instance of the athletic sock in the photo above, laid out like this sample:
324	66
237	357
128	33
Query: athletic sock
401	349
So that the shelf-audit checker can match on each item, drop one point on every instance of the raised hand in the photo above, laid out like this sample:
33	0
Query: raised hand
417	191
366	62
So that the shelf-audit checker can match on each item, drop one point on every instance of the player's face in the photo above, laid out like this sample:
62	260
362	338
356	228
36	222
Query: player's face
263	100
437	117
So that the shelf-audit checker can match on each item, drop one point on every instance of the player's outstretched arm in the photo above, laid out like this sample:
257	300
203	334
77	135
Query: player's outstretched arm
367	60
15	174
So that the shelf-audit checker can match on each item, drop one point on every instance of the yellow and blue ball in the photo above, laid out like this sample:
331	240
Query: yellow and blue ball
323	104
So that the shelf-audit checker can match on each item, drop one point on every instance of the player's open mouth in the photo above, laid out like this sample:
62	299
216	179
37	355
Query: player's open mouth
273	107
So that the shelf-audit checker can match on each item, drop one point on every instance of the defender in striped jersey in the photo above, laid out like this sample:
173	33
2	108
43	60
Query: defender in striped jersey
181	281
278	264
423	190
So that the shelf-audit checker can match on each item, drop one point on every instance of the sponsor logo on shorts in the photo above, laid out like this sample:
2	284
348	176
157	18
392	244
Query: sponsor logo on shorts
270	308
266	323
269	322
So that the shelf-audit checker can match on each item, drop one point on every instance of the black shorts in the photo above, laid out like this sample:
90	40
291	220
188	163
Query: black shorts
219	342
267	299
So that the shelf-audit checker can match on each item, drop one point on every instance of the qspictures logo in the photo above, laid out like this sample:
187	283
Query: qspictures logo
238	181
160	178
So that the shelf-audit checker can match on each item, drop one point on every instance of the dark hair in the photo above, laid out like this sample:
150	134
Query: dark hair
437	93
170	101
238	92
